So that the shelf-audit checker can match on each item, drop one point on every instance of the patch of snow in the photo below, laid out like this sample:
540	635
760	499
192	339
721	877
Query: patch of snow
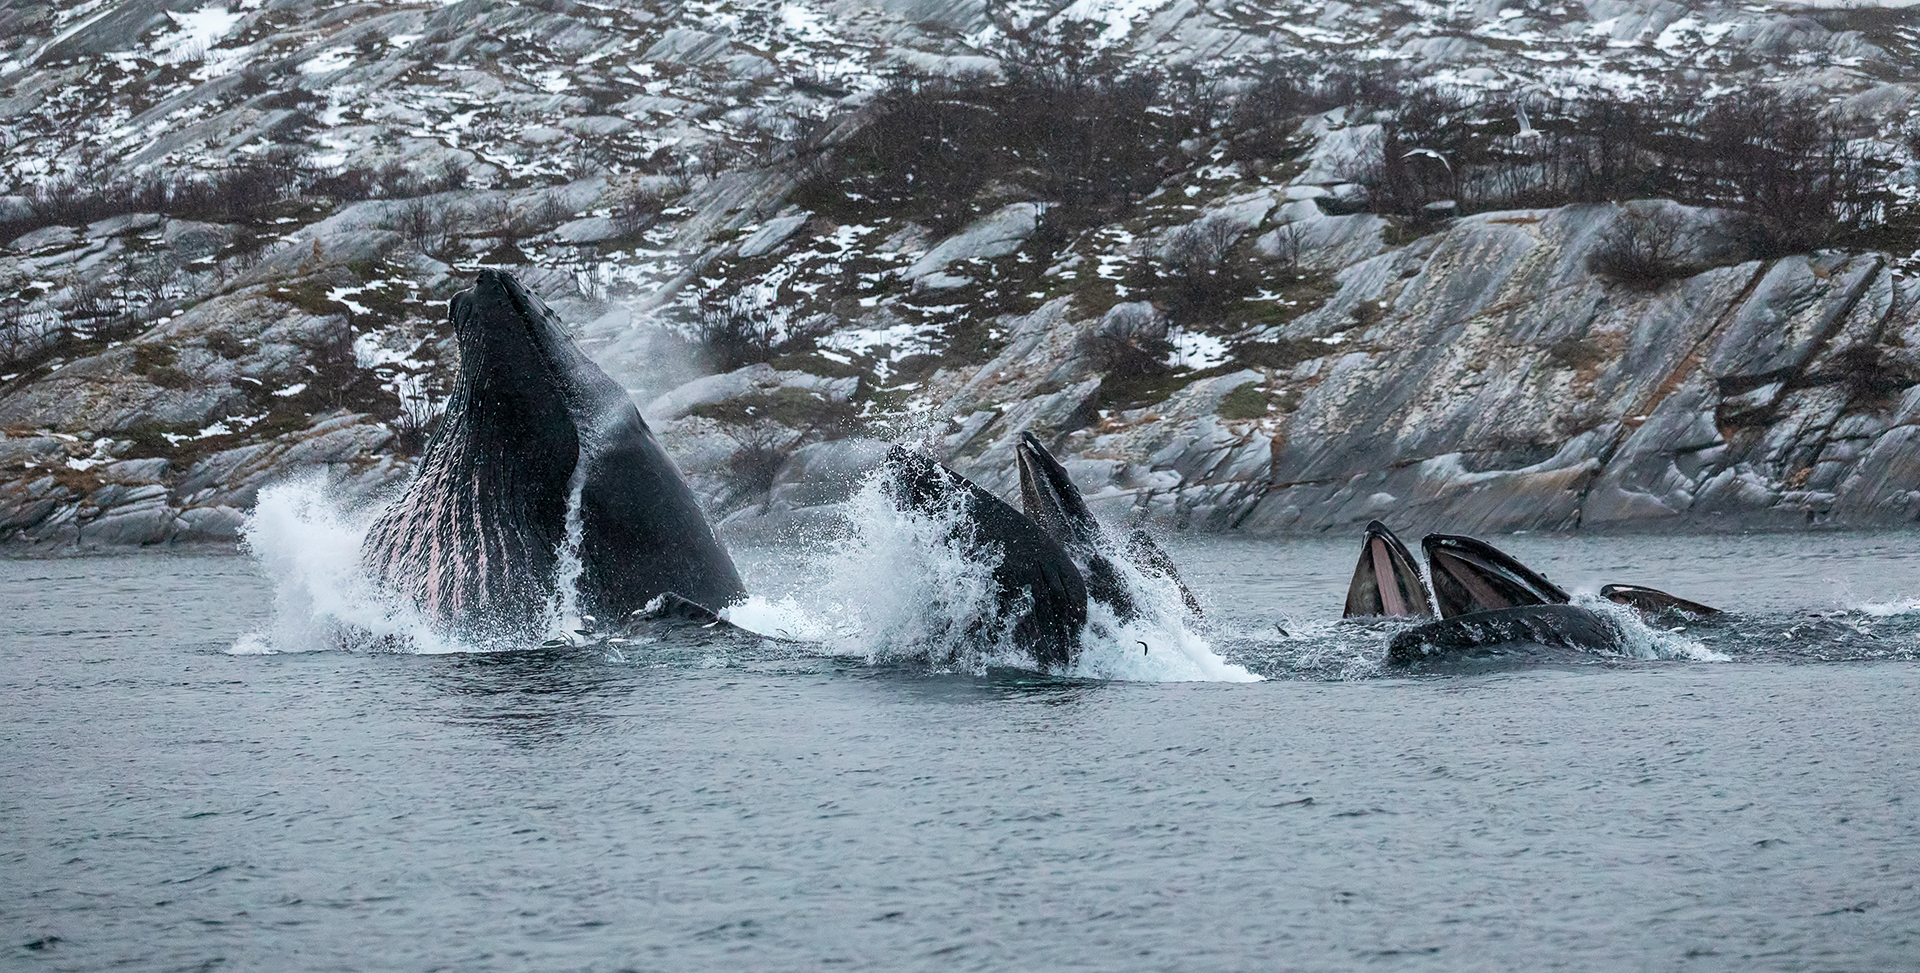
195	32
331	59
1195	350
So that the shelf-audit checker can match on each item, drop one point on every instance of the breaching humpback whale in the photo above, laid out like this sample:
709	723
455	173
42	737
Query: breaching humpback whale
1050	499
476	538
1035	576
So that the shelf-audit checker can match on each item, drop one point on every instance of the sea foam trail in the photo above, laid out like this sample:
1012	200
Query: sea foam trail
905	586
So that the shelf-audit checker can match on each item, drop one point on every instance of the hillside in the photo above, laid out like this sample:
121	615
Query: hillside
1262	266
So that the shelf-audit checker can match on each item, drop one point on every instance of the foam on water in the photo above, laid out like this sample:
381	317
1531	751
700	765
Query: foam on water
308	545
904	586
1643	641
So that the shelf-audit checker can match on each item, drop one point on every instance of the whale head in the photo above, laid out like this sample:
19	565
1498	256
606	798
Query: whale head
533	434
1049	498
1472	575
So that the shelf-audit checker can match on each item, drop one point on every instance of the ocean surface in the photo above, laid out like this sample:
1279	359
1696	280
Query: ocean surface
199	772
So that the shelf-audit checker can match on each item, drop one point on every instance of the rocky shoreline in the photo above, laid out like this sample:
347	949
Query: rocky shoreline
1236	343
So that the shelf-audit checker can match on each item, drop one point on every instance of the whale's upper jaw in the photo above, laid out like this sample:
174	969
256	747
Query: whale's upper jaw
1049	498
1472	575
505	331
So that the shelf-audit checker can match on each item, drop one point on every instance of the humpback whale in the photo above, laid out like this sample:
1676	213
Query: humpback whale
1650	601
1050	499
476	538
1484	598
1385	581
1035	575
1472	575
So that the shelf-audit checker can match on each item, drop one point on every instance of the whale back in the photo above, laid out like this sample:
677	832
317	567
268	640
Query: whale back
1386	581
1556	626
475	540
1035	572
1471	575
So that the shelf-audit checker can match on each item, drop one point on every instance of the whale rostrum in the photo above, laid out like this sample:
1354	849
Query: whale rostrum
533	430
1386	581
1050	499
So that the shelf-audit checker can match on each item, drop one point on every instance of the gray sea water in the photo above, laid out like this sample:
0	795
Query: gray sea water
174	796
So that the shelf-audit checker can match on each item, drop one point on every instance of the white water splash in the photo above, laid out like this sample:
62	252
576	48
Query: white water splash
905	586
1886	609
1643	641
309	546
785	618
564	621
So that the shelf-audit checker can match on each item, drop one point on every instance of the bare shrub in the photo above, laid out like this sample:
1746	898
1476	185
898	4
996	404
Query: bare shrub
635	209
24	331
154	277
1289	243
549	212
90	299
758	455
414	421
432	228
1197	261
1130	342
1644	248
1066	122
1806	173
735	331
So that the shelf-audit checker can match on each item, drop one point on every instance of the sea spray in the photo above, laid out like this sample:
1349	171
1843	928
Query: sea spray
1642	641
1159	643
309	547
907	586
563	608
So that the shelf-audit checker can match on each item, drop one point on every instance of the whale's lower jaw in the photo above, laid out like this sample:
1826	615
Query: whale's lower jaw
1555	626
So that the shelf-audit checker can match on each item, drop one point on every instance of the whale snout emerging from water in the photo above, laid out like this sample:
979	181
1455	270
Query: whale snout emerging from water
1050	499
1473	575
1386	581
535	432
1035	576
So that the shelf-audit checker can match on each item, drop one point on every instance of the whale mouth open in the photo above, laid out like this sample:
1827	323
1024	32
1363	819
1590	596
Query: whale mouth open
541	486
1386	581
1471	575
1049	497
